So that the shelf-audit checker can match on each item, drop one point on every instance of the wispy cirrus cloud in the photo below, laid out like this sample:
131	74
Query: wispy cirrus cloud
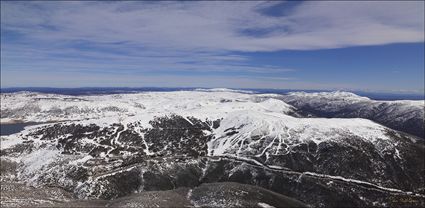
219	25
211	38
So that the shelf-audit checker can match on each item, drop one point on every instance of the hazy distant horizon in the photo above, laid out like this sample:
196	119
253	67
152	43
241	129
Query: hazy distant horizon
218	87
124	90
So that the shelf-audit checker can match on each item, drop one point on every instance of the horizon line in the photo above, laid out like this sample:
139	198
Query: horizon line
405	92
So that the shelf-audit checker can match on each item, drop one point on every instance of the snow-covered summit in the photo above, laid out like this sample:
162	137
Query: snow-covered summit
223	90
403	115
255	134
39	107
335	95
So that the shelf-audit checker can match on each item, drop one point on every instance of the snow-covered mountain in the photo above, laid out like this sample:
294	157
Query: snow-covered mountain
38	107
109	146
402	115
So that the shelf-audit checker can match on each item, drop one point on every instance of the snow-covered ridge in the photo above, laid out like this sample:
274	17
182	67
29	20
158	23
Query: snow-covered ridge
223	90
40	107
256	134
264	117
342	95
339	98
203	104
402	115
329	95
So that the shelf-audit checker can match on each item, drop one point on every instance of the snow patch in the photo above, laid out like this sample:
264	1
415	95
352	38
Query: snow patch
264	205
9	141
37	160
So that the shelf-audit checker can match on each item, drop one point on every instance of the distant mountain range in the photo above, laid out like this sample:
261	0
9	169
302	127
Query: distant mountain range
125	90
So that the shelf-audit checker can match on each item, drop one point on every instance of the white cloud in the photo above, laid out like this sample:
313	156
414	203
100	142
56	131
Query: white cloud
218	25
132	39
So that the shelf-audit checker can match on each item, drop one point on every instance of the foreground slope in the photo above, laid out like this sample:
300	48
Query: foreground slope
224	194
162	141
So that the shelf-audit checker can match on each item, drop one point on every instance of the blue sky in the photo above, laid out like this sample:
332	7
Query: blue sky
370	45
